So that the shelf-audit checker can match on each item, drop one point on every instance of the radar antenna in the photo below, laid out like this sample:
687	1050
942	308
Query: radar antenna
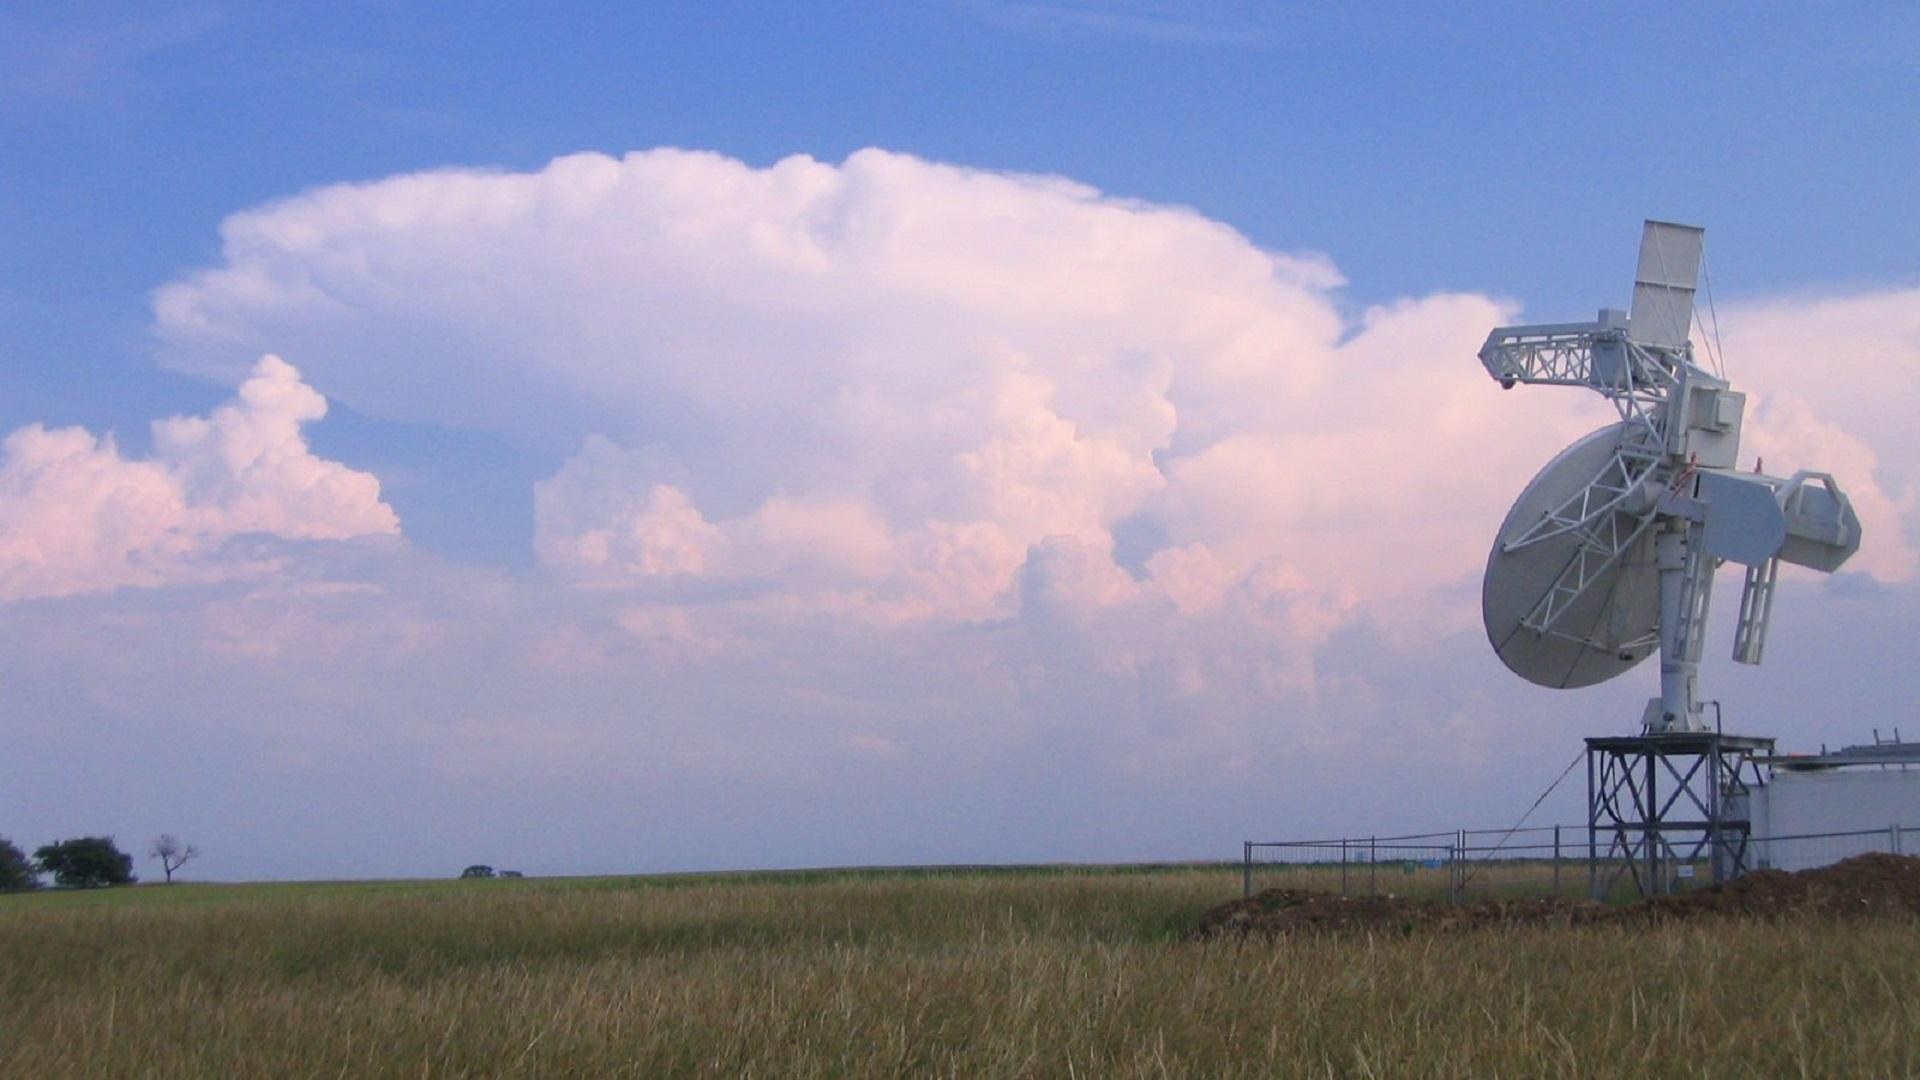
1609	554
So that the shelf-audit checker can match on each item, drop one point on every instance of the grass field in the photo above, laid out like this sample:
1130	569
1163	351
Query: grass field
1495	879
1065	973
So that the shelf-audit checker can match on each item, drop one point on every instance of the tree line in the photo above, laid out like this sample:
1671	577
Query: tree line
88	862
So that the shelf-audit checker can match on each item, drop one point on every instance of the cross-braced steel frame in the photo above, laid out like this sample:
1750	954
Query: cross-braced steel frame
1660	803
1640	380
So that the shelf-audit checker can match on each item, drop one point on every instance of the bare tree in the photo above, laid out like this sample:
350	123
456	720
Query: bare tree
172	854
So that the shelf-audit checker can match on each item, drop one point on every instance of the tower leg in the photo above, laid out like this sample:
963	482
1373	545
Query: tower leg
1659	805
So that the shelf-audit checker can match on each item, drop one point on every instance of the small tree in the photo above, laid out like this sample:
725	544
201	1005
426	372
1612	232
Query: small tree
16	872
87	863
477	870
172	854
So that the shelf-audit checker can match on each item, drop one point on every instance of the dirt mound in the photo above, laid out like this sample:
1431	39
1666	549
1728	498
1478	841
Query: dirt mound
1883	885
1874	884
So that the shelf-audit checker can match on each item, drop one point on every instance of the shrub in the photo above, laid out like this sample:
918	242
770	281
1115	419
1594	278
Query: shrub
86	863
16	871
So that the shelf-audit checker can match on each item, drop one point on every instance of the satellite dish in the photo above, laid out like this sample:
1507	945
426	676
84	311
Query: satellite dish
1611	626
1608	555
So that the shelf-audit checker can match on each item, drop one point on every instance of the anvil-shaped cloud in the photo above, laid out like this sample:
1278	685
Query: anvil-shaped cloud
899	475
878	386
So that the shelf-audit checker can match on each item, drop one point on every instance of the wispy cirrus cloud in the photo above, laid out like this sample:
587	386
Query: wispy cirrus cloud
1142	20
70	60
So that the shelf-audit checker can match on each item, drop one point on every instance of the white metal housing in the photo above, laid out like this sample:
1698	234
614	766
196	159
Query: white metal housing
1880	801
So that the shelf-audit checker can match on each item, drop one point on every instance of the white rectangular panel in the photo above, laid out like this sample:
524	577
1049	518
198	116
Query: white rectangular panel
1663	285
1833	801
1744	524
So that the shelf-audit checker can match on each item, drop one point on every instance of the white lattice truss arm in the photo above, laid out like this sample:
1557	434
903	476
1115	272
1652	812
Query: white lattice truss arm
1613	511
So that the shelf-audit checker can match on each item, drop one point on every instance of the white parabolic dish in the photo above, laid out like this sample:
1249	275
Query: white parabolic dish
1611	626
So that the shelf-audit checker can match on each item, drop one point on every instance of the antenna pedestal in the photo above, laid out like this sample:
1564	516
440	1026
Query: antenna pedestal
1686	581
1664	808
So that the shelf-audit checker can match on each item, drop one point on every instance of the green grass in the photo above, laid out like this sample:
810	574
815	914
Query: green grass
1025	972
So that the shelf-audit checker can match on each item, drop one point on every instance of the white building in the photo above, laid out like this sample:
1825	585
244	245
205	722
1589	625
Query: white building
1820	808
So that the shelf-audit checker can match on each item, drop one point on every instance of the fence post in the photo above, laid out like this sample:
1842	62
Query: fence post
1343	868
1373	866
1556	860
1246	869
1466	862
1893	832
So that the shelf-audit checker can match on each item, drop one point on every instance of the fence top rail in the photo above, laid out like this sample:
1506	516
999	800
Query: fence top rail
1451	839
1530	830
1362	854
1452	835
1353	840
1884	830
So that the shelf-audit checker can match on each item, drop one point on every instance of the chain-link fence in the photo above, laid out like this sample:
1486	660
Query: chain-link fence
1821	849
1547	860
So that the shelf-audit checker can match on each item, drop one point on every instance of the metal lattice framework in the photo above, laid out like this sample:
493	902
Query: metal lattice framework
1667	498
1660	804
1616	509
1568	598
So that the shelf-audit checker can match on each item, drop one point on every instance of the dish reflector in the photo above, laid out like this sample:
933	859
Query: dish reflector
1611	626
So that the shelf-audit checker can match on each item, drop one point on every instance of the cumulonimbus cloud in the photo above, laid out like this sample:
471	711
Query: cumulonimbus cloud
76	516
887	479
1833	384
880	385
878	389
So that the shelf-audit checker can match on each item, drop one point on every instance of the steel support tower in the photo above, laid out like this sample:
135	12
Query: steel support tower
1659	805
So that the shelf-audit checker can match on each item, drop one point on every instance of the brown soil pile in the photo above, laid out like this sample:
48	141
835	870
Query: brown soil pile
1874	884
1863	885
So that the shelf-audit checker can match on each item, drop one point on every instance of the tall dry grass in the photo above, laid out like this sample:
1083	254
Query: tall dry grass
1039	974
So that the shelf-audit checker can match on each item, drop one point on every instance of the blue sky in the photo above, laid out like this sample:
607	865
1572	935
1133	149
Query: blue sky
1482	150
1506	153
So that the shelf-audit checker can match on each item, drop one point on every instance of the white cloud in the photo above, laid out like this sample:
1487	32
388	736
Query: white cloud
601	518
1785	435
883	389
880	385
76	516
1834	385
855	463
